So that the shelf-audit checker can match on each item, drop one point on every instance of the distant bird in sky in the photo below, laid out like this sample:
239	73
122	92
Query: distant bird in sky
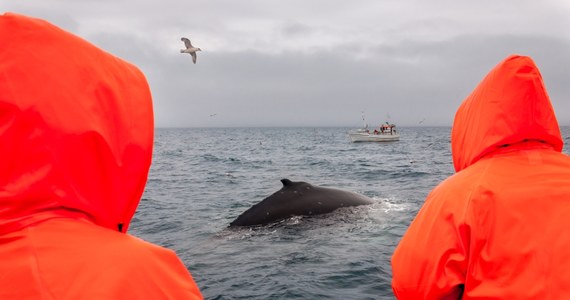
189	48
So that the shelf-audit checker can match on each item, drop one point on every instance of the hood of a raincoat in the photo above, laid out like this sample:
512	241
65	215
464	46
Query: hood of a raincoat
509	106
76	128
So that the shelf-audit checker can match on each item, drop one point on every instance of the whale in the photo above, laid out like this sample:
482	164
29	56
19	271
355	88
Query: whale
298	199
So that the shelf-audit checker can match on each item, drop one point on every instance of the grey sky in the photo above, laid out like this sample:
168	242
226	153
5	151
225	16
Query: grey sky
319	62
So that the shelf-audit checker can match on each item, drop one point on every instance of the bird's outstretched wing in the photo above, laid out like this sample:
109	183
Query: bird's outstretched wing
193	57
187	42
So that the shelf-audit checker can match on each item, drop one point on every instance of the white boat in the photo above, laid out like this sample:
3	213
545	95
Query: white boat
371	137
384	133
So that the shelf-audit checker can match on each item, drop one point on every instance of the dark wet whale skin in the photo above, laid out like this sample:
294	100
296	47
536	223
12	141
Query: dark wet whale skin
298	199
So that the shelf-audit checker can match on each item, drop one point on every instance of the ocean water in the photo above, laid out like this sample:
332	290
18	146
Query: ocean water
203	178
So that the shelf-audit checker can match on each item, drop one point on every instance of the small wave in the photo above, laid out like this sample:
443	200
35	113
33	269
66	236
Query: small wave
210	157
390	205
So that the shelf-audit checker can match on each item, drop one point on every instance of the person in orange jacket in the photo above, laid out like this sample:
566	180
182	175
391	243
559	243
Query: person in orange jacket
76	137
498	227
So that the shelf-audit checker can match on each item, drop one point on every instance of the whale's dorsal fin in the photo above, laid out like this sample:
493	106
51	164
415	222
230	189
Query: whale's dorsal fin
286	182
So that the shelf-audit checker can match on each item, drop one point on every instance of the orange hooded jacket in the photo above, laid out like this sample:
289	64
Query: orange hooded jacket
76	134
498	228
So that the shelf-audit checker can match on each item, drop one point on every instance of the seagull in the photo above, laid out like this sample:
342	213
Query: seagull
189	48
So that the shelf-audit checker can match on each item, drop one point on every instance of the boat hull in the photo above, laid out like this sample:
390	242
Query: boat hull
367	137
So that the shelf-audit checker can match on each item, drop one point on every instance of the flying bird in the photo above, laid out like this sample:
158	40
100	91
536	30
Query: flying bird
189	48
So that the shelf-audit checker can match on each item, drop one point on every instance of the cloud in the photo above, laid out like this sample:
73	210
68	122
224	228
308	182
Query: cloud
269	63
328	88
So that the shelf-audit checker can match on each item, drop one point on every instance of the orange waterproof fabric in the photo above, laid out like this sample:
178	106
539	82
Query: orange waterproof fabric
498	228
76	134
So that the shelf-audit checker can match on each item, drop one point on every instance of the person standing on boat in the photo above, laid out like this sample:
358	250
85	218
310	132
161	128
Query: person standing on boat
76	134
498	228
